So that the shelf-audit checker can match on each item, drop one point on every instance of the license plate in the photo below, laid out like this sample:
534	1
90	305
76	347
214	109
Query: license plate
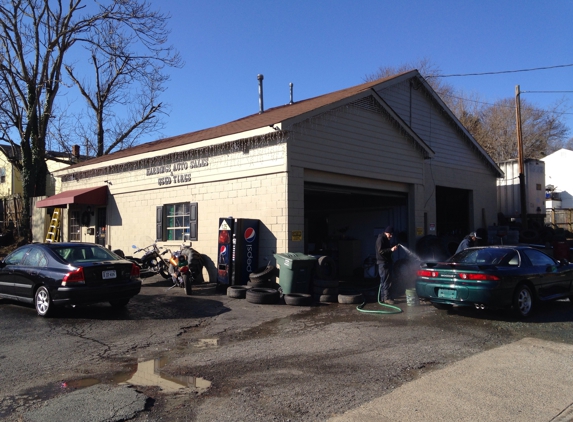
447	293
106	275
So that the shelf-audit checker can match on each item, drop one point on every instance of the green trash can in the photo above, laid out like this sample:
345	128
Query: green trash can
295	271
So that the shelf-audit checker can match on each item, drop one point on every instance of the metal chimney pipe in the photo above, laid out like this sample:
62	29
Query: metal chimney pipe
290	85
261	106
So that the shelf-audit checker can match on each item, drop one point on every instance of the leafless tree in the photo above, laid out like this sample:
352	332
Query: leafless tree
37	37
494	125
124	78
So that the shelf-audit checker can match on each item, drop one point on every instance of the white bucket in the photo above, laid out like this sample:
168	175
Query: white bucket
412	297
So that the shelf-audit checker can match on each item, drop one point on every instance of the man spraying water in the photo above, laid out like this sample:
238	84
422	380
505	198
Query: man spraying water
384	249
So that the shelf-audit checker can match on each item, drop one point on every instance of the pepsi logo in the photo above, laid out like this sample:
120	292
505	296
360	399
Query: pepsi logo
250	235
223	250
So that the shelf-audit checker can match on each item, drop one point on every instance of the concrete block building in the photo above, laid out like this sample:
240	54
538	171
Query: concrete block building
323	175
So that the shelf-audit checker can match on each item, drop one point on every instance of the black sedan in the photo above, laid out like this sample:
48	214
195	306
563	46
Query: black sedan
56	274
496	277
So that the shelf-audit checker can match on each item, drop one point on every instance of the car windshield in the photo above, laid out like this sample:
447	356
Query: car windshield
84	253
486	256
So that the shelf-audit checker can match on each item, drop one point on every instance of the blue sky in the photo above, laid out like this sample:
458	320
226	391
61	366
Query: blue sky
324	46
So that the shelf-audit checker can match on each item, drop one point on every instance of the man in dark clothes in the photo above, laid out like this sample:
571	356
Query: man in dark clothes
384	251
468	242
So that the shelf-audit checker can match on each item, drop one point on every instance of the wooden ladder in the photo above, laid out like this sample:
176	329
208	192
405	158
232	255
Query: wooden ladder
54	230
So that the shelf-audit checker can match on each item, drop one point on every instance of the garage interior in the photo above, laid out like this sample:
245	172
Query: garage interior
343	222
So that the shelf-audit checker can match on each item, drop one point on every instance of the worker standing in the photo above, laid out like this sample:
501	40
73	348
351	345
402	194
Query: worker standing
384	249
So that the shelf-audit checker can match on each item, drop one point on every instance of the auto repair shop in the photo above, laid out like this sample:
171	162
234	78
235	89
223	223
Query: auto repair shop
323	175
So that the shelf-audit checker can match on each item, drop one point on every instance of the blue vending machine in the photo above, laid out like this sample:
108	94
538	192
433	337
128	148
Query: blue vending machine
238	251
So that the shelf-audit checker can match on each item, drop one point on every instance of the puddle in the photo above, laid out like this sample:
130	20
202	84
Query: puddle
149	374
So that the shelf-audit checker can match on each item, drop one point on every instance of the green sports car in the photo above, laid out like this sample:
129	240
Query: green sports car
514	277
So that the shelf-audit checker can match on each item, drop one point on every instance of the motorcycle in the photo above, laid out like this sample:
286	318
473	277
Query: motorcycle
180	273
151	261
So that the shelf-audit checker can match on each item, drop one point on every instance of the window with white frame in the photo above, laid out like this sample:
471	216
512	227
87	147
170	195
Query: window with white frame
75	227
177	222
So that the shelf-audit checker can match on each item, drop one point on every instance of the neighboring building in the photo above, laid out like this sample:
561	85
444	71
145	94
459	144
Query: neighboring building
558	178
11	187
11	178
323	176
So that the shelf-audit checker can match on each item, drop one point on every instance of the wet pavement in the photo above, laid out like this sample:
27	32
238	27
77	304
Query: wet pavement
208	357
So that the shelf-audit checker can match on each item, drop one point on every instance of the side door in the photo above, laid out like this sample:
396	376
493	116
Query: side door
29	273
551	280
8	268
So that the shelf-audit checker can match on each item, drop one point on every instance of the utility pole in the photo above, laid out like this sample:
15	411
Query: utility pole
520	159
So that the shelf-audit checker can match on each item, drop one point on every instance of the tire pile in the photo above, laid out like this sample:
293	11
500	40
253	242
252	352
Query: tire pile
259	288
262	288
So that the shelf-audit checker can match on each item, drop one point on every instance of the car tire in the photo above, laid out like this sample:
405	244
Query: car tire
263	274
442	306
43	302
326	298
522	301
298	299
237	292
351	298
119	303
259	284
187	284
262	296
325	290
325	268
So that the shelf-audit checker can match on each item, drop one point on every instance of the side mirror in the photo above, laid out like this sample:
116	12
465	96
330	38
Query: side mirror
2	264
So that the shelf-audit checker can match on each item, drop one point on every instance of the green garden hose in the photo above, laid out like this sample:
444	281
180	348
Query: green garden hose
394	309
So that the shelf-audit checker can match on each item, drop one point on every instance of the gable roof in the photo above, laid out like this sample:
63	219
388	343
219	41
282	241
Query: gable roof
275	115
269	117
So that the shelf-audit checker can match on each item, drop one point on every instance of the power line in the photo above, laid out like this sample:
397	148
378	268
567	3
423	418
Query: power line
501	71
548	92
504	106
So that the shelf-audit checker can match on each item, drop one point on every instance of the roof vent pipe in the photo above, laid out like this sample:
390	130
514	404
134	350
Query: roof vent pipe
290	85
261	106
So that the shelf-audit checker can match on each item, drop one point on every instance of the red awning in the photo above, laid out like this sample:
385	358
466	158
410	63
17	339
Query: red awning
87	196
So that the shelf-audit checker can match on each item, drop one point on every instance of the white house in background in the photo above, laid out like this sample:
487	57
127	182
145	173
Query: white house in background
559	174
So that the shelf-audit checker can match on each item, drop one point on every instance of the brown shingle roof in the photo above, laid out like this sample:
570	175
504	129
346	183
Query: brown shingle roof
269	117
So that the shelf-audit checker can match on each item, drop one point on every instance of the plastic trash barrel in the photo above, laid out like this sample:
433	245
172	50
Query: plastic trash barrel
295	271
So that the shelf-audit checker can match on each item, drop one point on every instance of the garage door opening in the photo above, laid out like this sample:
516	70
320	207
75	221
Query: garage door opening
343	222
453	212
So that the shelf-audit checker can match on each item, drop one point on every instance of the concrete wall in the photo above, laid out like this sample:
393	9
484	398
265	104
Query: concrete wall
249	183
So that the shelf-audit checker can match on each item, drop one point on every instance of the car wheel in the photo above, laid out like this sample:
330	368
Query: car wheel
523	301
186	284
442	306
119	303
43	302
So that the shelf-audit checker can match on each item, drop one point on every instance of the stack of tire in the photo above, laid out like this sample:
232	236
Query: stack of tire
261	286
325	283
258	289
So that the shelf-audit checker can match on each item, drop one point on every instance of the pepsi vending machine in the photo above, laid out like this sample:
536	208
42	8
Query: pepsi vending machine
238	254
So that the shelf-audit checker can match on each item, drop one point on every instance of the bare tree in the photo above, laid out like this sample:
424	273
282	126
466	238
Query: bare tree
427	69
494	125
123	78
36	36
